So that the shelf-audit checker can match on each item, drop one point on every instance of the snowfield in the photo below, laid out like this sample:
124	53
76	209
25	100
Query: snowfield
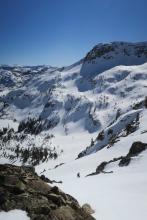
13	215
96	108
118	195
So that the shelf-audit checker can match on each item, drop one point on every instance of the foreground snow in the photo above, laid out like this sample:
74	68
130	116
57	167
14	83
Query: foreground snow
119	195
13	215
122	195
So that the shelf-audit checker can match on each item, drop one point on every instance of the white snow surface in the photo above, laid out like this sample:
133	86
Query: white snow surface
118	195
13	215
84	99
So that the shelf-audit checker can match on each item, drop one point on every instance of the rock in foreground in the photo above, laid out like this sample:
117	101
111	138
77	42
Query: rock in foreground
20	188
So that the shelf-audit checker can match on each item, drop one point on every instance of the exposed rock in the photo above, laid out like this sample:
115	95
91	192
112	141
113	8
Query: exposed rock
58	165
29	168
137	148
87	208
101	135
101	167
20	188
124	161
47	180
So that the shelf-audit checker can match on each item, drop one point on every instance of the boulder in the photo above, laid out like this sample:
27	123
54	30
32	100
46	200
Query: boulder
87	208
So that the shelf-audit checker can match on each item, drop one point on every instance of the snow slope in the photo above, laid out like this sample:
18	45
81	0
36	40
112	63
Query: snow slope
14	214
118	195
103	93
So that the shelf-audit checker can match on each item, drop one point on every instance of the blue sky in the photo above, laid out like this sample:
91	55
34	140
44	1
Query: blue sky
60	32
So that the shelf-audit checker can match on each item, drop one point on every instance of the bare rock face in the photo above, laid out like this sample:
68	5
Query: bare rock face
87	208
137	148
21	188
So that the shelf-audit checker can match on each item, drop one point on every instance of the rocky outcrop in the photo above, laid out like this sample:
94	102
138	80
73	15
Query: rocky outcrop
108	55
135	150
21	188
47	180
87	208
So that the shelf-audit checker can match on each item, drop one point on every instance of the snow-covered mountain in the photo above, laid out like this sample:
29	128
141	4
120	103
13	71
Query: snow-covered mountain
105	56
93	110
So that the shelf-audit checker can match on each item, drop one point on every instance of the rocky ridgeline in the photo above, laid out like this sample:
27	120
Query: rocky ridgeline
108	55
21	188
109	50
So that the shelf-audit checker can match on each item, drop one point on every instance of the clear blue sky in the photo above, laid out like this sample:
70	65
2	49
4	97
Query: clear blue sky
59	32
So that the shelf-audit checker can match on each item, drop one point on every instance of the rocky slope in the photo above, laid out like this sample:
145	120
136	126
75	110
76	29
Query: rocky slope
21	188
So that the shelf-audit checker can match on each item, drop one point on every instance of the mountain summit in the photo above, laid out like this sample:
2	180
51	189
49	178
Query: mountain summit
105	56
